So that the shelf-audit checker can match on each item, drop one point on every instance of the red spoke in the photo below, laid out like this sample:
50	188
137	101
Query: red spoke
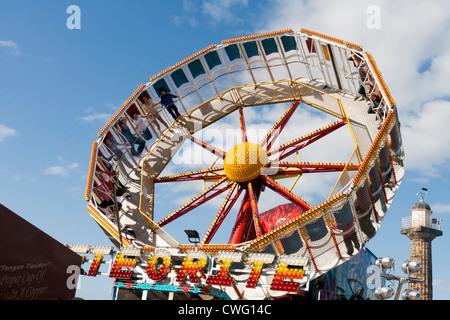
242	220
243	226
242	121
215	151
278	127
269	182
289	168
291	147
205	174
254	207
247	225
195	202
225	208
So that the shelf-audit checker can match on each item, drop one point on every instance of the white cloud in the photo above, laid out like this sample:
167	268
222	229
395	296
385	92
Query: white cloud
222	10
176	20
74	192
11	47
56	171
112	106
61	170
189	16
214	11
16	177
189	6
94	117
425	139
193	21
6	132
73	166
441	208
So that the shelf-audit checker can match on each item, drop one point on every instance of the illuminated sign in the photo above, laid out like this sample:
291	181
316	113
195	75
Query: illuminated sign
172	269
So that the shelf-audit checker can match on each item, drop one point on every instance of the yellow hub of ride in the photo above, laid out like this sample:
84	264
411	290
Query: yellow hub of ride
244	162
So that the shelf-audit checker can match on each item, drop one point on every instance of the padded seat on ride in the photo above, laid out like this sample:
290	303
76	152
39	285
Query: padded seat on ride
345	222
395	144
317	230
376	187
292	244
385	164
364	209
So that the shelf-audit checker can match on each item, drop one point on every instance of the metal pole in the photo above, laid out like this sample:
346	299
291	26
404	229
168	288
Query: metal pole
401	281
116	213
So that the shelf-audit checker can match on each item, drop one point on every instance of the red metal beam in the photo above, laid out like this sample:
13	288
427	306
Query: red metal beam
205	174
225	208
282	191
254	207
196	201
243	227
291	147
242	121
273	134
307	167
241	222
215	151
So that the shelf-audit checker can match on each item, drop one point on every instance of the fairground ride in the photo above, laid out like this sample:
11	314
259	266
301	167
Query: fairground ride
330	134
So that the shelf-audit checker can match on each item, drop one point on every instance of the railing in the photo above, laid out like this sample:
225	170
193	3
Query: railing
410	222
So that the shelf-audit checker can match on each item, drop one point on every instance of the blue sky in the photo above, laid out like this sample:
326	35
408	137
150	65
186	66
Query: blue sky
58	87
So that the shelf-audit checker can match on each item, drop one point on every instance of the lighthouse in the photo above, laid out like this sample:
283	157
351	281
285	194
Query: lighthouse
422	229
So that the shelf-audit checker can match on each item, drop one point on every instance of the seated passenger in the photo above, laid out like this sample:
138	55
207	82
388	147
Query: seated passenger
140	126
119	157
105	161
374	95
107	202
118	154
110	181
123	129
362	71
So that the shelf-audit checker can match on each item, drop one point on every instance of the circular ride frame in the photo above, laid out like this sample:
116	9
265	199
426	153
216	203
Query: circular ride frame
276	67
